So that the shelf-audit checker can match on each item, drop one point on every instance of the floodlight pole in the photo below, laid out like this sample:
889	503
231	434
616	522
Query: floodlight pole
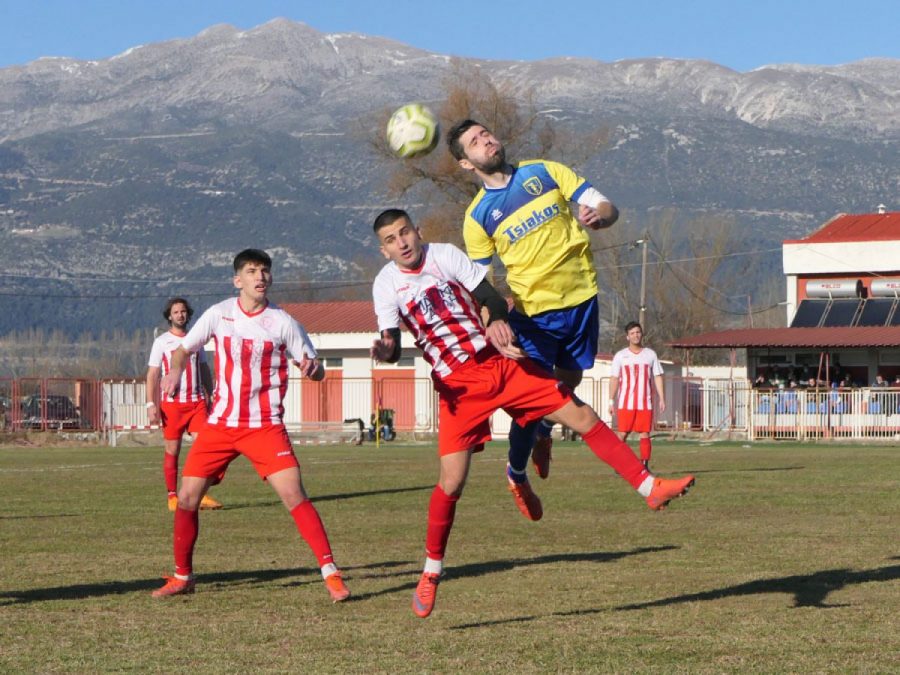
643	306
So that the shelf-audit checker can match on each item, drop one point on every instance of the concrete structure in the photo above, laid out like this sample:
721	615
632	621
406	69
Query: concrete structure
843	307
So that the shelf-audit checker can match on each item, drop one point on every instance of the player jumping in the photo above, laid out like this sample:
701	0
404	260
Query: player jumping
435	290
522	215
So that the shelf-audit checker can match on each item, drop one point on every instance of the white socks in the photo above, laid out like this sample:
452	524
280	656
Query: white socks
433	566
645	488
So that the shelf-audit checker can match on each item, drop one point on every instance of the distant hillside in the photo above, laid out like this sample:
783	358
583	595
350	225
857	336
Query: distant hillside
158	164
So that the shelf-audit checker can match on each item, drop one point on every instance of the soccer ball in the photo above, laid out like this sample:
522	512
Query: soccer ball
413	131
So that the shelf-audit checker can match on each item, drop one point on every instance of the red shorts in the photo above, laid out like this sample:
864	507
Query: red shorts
178	417
634	420
485	384
268	448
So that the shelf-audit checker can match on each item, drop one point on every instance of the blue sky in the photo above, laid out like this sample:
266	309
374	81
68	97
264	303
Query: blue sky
740	34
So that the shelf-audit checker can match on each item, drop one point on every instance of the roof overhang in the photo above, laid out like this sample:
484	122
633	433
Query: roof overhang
818	338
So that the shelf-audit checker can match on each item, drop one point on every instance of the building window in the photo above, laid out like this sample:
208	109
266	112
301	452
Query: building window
406	362
334	362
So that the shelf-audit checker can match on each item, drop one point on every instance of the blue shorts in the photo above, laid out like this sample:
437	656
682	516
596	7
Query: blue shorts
564	338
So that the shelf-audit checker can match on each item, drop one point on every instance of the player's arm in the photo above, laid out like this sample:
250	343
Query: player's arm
172	380
613	390
152	394
206	380
387	348
596	211
660	393
311	368
497	327
298	344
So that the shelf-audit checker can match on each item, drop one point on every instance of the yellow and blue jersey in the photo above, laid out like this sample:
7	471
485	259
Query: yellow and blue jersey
529	225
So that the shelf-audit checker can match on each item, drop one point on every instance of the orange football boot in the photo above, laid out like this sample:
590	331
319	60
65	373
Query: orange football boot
666	489
336	588
174	586
426	591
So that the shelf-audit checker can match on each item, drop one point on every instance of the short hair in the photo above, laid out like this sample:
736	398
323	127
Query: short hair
388	217
171	302
251	255
453	135
633	324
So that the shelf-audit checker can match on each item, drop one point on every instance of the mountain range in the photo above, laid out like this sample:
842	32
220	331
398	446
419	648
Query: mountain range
125	180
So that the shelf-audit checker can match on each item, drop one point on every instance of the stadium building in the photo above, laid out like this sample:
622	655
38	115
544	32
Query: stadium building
843	307
835	369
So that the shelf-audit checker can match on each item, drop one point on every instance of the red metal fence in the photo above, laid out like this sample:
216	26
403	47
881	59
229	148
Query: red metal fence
45	404
349	404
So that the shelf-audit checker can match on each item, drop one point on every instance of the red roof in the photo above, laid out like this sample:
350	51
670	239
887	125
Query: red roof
869	336
334	317
859	227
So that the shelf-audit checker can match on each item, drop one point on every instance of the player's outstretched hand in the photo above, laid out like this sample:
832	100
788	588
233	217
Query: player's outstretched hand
589	217
504	340
170	382
152	415
310	368
382	349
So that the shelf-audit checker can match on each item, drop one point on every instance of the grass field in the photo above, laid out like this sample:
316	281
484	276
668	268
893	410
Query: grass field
784	558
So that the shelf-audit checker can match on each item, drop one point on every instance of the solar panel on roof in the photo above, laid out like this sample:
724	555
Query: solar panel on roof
809	313
875	312
841	313
895	320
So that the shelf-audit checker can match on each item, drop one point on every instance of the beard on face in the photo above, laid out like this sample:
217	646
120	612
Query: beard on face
493	164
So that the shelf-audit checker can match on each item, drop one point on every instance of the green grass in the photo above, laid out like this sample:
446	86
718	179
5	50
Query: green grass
784	558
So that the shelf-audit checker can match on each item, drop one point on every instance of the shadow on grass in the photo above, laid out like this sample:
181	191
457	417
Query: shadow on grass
809	590
100	589
755	470
40	515
329	498
493	566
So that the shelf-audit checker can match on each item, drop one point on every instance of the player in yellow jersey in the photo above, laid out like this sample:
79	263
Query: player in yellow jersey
522	215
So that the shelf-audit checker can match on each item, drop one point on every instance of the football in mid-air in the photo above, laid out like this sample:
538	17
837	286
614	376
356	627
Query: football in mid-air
413	131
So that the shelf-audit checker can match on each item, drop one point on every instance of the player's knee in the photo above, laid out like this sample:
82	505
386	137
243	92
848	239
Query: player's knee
189	500
452	485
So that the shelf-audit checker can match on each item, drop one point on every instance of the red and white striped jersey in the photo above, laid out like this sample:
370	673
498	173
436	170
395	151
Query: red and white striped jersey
253	352
189	390
636	372
435	303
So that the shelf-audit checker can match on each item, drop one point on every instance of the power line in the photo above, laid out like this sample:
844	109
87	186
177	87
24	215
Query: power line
700	298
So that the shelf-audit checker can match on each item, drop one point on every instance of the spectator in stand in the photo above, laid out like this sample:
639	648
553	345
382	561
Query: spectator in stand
876	400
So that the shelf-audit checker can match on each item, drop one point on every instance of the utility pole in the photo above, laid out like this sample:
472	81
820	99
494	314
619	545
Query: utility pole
643	305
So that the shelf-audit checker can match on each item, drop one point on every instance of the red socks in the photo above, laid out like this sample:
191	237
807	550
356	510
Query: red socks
313	532
441	511
645	449
187	527
607	446
170	471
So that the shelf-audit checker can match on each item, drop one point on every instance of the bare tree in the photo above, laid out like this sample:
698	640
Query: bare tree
437	180
693	285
